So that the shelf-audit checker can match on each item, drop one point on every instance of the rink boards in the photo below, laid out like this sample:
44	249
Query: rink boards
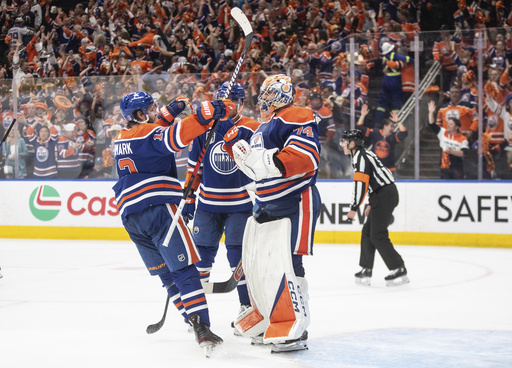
466	213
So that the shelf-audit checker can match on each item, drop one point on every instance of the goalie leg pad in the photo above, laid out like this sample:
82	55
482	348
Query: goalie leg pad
276	293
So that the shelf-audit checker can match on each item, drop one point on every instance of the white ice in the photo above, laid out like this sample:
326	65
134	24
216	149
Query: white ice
74	304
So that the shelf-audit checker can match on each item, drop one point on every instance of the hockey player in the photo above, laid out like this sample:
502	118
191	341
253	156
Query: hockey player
147	193
282	157
370	175
224	204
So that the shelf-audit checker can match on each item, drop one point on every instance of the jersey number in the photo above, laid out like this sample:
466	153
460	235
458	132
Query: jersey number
127	163
306	131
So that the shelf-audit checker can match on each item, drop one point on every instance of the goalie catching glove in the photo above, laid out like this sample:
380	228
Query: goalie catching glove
180	106
256	163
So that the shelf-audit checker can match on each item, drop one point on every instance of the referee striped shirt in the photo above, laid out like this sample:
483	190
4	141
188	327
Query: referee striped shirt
369	175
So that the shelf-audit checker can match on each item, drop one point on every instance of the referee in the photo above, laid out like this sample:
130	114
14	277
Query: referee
370	175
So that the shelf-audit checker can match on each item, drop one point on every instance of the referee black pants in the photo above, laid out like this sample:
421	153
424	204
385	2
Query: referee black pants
375	235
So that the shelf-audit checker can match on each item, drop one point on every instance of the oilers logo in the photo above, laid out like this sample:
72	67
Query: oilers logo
257	141
220	160
450	114
42	154
492	122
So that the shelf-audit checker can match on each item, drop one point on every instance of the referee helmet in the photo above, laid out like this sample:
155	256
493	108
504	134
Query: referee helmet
354	135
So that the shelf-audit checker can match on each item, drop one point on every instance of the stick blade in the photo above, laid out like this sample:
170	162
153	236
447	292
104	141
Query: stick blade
239	16
151	329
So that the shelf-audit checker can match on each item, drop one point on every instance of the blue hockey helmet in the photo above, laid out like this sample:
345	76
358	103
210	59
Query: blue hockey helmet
135	101
237	92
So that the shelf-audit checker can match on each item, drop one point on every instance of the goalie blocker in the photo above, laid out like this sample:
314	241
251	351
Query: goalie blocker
279	298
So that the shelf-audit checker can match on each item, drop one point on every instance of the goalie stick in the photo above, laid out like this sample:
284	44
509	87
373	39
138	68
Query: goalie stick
209	288
244	23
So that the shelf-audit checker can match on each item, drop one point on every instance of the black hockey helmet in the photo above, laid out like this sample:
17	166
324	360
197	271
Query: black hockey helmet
354	135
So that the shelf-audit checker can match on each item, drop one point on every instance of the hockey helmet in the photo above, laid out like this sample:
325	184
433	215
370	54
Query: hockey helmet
132	102
276	92
354	135
237	92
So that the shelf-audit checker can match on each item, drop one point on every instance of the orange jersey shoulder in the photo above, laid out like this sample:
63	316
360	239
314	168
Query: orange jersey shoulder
137	132
248	122
297	115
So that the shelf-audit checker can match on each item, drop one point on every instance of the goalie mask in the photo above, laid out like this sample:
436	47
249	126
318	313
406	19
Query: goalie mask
276	92
138	101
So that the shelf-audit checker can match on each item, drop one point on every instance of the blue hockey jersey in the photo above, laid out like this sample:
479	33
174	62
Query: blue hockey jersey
146	164
294	132
222	188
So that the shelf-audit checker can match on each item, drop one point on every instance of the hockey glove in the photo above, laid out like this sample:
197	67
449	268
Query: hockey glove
190	208
215	110
180	106
256	163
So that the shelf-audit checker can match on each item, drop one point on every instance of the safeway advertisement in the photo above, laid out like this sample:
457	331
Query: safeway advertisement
434	207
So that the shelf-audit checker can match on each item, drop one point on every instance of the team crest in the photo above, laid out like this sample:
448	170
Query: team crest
181	257
221	161
257	141
42	154
492	121
450	114
196	229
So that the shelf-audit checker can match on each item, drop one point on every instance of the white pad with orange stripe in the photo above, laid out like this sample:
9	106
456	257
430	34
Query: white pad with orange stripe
279	298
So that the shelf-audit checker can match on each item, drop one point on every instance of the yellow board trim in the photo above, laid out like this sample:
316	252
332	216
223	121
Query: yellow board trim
327	237
64	232
418	238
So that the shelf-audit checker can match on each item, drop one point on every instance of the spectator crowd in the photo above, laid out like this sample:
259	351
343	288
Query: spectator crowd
73	61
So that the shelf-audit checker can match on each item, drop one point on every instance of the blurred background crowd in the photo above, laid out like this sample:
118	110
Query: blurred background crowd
72	61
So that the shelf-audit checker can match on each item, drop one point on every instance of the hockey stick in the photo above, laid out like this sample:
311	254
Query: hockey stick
7	132
225	286
157	326
209	288
244	23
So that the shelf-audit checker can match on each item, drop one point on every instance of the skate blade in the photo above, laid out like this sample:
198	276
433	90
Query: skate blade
257	340
398	281
364	281
210	349
289	347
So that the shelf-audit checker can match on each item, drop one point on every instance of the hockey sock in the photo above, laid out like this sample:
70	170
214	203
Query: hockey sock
191	291
174	295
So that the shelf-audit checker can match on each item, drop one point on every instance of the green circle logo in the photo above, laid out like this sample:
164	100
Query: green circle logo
45	203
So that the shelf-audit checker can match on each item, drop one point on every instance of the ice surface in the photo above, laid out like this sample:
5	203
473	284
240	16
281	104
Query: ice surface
74	304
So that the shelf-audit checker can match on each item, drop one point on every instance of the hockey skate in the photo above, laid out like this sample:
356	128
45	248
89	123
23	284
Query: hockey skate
291	345
397	277
257	340
364	277
243	308
207	340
